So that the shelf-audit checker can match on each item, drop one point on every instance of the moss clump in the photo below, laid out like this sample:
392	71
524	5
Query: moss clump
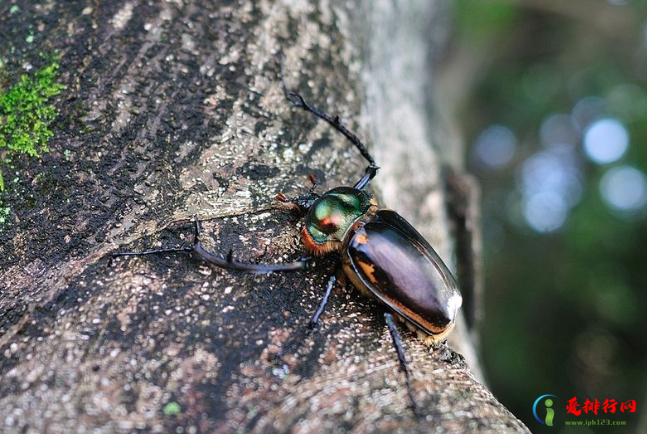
25	114
172	409
4	213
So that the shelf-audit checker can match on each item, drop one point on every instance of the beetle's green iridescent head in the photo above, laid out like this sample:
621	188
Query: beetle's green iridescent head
331	216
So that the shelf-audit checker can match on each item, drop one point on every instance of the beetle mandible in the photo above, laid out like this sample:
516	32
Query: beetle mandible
381	253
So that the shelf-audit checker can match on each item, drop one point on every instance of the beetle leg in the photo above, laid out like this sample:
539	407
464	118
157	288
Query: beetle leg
369	174
335	122
297	342
315	318
397	343
228	262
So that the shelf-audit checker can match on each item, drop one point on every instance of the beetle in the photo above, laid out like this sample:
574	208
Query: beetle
381	253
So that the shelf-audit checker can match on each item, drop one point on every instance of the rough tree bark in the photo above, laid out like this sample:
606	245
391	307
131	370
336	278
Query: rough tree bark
173	109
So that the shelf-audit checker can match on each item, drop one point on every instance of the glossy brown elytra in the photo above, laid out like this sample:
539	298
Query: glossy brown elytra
384	257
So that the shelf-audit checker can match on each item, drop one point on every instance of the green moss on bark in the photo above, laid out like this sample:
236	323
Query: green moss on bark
26	112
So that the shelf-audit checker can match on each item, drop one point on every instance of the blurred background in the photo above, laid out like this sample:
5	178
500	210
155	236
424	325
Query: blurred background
552	97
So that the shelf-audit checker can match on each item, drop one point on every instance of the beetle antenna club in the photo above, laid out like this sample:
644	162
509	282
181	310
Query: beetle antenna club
380	253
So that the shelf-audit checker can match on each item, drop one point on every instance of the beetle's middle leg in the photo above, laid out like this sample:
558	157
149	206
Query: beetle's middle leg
397	343
312	324
322	305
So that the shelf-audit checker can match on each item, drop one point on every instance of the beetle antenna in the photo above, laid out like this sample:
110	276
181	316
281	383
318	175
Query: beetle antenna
397	343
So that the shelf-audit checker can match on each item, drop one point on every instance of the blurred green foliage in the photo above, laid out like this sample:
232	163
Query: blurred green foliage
480	22
564	308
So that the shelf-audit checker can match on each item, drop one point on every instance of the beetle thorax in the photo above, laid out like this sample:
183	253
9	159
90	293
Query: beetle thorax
331	216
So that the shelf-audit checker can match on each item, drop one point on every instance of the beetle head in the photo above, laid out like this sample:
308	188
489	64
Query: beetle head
331	216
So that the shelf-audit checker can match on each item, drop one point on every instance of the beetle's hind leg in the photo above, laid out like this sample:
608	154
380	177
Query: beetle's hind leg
228	262
397	343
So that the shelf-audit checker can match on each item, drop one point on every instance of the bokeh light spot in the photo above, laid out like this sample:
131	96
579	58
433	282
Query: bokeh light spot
624	188
550	185
545	211
556	170
495	146
605	141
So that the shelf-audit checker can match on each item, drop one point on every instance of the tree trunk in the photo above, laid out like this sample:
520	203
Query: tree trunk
174	109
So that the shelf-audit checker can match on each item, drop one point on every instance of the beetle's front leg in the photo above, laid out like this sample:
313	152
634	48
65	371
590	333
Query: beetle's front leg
335	122
227	263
